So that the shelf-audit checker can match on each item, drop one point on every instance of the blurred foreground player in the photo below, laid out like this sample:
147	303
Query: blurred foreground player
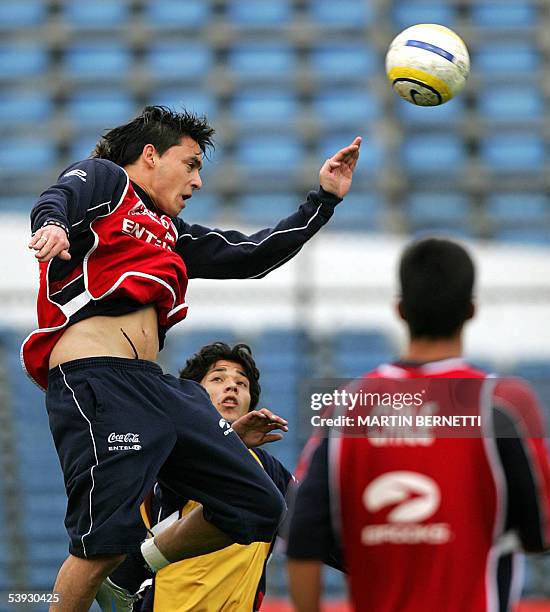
428	523
224	580
114	265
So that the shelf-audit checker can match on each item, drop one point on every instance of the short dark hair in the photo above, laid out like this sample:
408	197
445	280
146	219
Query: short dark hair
156	125
437	280
198	365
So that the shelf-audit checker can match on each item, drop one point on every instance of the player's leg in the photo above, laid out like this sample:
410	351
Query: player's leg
210	464
111	442
78	580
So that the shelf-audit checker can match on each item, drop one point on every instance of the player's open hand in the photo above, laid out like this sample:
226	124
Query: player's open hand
50	241
255	428
336	173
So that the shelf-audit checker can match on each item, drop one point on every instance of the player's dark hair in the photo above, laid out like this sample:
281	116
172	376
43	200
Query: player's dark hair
198	365
437	280
156	125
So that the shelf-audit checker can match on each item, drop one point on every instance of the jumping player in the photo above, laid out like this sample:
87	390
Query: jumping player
114	264
429	523
228	579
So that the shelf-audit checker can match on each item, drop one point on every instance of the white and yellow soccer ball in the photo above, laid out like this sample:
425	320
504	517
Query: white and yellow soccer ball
427	64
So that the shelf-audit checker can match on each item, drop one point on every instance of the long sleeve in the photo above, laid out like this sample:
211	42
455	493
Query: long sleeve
215	253
311	515
523	451
85	190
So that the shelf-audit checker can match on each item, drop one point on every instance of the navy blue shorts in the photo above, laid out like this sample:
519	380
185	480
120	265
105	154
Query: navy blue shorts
121	424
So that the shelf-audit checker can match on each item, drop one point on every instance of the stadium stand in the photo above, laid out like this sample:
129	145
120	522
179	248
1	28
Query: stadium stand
364	210
504	18
270	107
442	154
406	13
514	60
516	152
167	61
103	15
249	14
439	211
97	61
303	65
272	153
20	61
261	62
199	101
518	209
94	108
24	108
348	14
174	15
360	107
19	156
265	208
447	116
512	103
342	61
23	14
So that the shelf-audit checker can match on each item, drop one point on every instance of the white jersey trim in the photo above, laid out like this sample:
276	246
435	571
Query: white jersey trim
75	304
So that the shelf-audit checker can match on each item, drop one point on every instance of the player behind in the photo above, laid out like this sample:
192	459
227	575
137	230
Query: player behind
436	523
114	264
228	579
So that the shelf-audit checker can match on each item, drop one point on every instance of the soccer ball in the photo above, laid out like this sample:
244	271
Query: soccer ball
427	64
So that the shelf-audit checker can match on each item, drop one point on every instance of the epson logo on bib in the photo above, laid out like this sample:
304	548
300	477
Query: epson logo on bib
409	500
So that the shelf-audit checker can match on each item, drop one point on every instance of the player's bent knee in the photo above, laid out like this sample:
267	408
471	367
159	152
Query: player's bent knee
269	515
98	567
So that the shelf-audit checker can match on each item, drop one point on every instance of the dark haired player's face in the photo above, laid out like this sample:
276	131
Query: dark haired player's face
176	175
228	388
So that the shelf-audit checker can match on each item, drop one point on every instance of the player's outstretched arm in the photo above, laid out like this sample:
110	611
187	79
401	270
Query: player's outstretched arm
336	173
216	253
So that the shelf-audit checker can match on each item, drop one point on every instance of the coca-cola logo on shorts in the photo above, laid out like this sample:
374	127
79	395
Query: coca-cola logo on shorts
129	438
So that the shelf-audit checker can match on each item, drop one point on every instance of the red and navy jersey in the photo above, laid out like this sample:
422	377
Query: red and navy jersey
432	524
126	254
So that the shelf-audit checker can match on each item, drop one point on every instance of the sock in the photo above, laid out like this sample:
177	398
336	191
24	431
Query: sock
130	574
152	555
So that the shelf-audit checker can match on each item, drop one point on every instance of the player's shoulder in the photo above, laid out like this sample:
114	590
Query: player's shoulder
91	167
514	390
266	459
273	467
516	398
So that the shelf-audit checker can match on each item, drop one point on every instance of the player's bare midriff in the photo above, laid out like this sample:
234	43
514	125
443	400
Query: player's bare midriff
110	336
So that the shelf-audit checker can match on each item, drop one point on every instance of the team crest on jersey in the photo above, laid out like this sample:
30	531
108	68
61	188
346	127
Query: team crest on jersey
138	208
226	426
